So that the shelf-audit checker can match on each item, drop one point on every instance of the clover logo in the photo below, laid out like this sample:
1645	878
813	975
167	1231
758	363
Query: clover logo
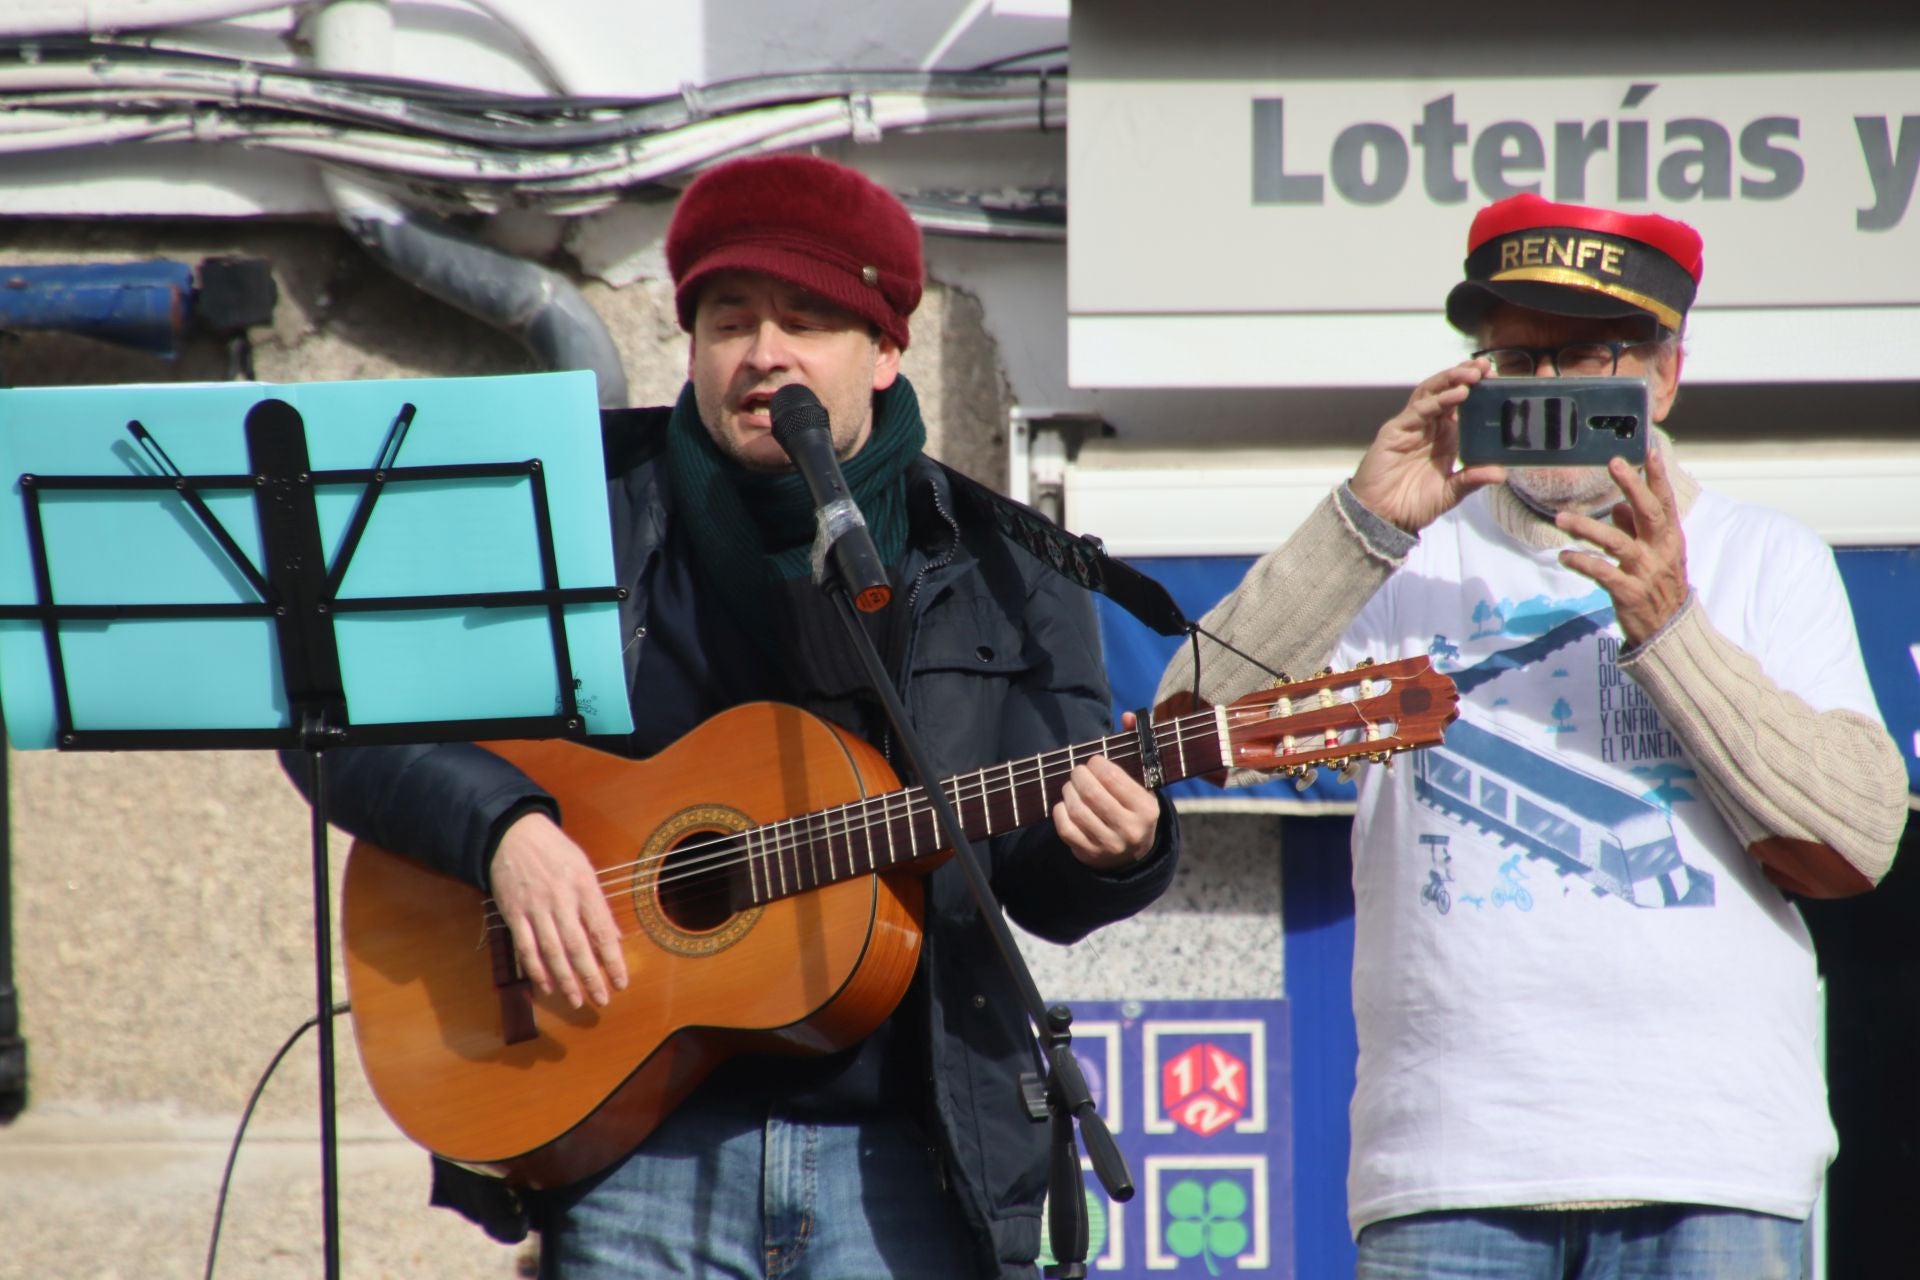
1209	1222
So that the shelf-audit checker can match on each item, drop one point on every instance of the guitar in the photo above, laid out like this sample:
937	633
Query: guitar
764	871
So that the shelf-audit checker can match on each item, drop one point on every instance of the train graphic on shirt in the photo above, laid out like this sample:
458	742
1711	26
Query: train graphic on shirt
1619	843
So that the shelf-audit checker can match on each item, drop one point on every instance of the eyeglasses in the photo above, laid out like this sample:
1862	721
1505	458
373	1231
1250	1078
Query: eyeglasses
1575	359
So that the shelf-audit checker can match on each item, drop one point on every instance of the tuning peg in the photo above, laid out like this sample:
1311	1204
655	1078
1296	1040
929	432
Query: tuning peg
1324	671
1364	662
1303	777
1348	768
1280	678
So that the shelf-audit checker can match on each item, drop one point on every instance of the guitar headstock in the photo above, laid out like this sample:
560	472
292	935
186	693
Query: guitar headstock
1367	713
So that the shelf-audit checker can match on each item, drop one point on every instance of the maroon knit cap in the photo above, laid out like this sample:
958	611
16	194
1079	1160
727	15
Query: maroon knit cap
810	222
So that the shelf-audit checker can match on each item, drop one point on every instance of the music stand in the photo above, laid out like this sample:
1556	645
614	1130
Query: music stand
295	603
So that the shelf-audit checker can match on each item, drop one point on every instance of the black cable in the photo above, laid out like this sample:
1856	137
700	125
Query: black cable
233	1153
548	123
593	137
1193	637
1248	658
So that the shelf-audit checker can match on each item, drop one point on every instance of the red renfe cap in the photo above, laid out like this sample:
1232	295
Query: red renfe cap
815	224
1573	260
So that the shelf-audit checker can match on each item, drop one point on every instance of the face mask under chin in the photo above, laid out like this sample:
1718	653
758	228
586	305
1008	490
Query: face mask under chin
1550	490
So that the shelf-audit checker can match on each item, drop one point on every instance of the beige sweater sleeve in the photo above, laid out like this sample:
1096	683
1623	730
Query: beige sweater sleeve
1288	612
1771	764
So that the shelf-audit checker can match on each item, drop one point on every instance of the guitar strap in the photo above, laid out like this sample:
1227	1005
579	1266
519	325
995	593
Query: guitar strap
1080	558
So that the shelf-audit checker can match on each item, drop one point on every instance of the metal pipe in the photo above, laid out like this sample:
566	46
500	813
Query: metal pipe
539	307
143	305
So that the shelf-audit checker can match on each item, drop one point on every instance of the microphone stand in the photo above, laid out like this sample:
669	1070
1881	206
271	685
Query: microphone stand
1066	1097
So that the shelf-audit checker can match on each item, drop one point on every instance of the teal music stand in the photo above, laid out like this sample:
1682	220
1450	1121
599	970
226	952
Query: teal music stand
306	568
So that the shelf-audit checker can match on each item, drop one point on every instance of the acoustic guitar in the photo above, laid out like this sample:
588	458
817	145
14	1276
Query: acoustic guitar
764	873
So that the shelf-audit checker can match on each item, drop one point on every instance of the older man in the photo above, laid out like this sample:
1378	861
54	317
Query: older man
1595	1056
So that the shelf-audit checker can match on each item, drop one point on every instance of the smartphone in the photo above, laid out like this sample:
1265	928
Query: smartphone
1554	422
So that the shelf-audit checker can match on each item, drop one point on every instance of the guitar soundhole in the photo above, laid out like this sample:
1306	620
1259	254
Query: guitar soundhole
697	889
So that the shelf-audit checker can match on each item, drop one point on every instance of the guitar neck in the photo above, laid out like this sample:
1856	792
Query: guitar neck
901	827
1367	713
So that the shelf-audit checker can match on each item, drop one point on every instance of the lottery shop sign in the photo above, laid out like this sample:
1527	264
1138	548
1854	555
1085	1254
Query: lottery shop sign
1197	1096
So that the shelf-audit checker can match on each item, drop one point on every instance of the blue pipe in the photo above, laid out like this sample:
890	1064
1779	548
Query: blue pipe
143	305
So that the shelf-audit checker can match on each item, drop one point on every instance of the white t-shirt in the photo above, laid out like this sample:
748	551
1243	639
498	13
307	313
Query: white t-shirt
1570	981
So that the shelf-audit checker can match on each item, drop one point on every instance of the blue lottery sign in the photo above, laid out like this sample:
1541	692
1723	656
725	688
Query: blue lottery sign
1197	1095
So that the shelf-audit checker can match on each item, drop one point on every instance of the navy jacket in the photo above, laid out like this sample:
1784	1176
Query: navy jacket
1002	662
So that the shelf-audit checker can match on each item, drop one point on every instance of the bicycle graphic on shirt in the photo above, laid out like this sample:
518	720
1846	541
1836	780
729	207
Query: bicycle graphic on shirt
1435	889
1510	889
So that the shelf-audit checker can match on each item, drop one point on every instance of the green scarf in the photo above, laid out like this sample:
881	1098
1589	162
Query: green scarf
753	529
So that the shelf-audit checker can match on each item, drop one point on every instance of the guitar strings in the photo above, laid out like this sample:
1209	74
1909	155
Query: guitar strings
807	831
804	831
781	843
787	837
776	846
779	852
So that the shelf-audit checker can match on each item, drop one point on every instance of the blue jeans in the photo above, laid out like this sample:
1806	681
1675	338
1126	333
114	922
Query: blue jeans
726	1190
1650	1242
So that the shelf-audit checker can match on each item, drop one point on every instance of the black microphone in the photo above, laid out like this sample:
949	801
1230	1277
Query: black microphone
800	425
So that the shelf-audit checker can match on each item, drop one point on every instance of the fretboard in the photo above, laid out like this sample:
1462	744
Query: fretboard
901	827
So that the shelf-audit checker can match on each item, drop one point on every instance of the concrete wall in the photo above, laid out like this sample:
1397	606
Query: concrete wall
163	902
